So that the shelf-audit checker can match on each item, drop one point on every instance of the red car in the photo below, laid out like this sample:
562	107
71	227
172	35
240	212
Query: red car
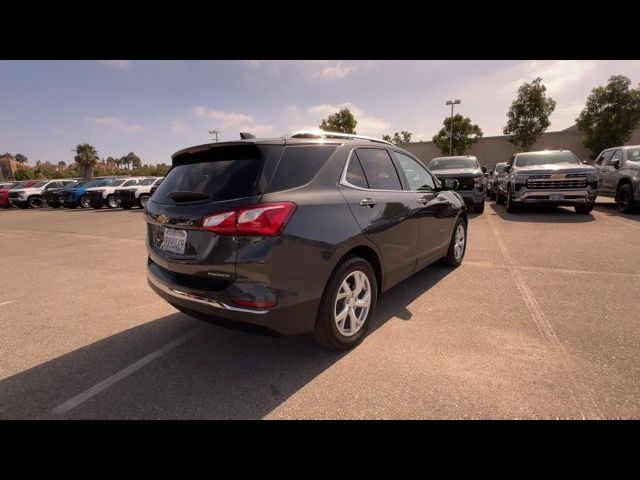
4	191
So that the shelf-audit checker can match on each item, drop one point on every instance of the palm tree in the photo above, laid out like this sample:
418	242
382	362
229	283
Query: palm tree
86	158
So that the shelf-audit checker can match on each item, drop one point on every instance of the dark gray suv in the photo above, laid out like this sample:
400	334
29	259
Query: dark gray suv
297	234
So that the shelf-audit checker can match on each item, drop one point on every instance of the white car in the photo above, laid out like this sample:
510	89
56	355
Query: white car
127	197
99	196
32	197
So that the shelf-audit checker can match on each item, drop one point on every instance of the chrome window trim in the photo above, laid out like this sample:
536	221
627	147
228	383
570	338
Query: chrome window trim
343	178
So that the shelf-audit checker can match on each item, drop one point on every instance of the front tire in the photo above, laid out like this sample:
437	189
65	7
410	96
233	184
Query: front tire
478	208
583	209
347	305
511	205
36	202
142	201
85	202
111	202
624	199
458	244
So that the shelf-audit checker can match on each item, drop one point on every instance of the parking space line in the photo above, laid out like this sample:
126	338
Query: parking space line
579	393
617	219
122	374
6	303
552	269
77	235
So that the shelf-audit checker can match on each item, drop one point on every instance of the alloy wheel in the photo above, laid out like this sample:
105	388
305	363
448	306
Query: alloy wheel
352	303
460	241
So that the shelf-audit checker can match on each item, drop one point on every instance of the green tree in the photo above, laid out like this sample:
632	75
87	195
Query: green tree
21	158
528	116
133	160
86	158
610	115
62	164
24	174
402	137
342	122
465	134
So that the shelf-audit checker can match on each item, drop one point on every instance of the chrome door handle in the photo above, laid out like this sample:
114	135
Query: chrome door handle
367	202
423	201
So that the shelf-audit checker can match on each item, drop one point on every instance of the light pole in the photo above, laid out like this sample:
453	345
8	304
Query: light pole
214	132
452	103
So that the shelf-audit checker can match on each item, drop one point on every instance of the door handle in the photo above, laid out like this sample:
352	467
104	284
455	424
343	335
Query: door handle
423	201
367	202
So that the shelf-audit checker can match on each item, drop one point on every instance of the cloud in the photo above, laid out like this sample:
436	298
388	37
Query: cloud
367	124
200	120
117	124
118	64
335	71
312	69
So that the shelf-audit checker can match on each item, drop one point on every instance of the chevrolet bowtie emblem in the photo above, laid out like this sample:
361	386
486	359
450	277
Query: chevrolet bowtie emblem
557	176
162	219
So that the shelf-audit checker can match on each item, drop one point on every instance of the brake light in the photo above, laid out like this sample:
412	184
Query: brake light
253	304
263	219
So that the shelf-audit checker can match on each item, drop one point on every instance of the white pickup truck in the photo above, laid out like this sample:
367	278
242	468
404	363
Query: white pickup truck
32	197
127	197
101	196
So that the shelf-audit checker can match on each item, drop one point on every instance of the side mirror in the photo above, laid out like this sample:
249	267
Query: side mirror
507	169
615	163
450	184
484	169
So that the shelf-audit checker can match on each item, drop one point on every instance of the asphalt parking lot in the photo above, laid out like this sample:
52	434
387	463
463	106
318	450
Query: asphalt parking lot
541	321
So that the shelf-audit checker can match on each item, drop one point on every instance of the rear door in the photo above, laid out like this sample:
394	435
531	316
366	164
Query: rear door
385	212
203	181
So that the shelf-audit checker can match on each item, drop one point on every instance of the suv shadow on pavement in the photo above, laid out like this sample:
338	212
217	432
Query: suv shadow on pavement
216	374
532	214
610	209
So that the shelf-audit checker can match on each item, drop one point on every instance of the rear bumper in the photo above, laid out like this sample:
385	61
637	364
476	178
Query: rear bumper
289	319
569	197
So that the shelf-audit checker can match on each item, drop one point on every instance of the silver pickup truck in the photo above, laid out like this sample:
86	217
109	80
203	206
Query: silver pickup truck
549	177
619	176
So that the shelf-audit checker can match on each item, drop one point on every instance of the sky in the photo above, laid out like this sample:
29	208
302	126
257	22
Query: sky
155	108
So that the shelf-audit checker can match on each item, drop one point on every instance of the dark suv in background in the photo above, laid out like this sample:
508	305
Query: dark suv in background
297	234
469	174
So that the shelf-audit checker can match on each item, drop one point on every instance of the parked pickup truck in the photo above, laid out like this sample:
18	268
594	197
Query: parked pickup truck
472	184
4	191
75	197
32	197
51	196
103	195
549	177
137	195
619	176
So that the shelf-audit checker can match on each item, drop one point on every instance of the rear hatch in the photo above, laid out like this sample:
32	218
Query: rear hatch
205	180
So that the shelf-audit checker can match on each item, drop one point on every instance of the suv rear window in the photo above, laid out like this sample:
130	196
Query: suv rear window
299	165
221	173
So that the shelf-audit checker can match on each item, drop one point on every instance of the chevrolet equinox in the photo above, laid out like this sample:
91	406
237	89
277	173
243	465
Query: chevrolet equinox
297	234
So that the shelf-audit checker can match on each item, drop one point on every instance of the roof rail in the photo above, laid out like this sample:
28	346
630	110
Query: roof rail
325	134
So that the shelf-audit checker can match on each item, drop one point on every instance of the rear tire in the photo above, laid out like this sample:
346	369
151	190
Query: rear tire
341	296
624	199
479	207
84	202
35	202
458	244
499	198
584	209
142	201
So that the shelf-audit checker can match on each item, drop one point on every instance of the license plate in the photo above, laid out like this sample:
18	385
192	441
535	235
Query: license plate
556	196
174	241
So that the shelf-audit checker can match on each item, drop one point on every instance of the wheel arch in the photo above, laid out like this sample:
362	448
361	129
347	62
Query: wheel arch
370	255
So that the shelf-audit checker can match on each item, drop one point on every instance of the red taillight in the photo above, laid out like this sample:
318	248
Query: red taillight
263	219
252	304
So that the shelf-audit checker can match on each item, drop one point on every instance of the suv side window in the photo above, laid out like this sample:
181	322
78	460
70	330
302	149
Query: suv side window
417	177
378	169
128	183
604	157
355	173
298	166
617	155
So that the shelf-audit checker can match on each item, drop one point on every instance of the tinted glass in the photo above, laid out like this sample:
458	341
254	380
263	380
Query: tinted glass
500	168
38	184
533	159
129	183
299	165
219	179
604	158
453	163
378	169
617	155
355	174
416	175
147	181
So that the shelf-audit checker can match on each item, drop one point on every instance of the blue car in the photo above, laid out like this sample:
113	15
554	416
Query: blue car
74	197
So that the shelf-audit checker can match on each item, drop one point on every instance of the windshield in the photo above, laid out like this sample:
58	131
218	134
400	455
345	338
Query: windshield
69	186
633	154
552	158
38	184
147	181
11	185
453	163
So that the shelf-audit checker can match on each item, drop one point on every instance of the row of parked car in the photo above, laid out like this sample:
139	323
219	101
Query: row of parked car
110	192
560	178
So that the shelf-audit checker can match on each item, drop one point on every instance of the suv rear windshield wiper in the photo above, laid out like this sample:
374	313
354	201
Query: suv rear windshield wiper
187	196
